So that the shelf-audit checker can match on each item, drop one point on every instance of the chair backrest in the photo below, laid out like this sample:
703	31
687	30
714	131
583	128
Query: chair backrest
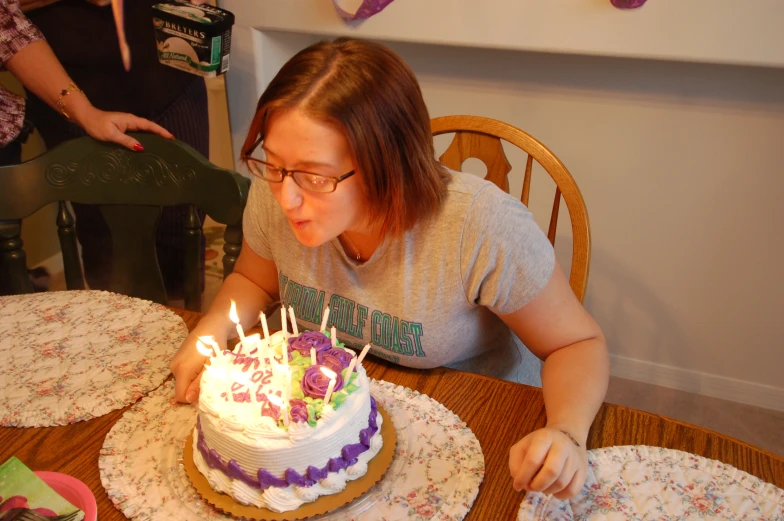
480	138
130	188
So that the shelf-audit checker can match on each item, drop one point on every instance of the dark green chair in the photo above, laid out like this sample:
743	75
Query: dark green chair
130	189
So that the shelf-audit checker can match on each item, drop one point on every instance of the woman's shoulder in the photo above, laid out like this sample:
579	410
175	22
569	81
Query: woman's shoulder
470	192
462	183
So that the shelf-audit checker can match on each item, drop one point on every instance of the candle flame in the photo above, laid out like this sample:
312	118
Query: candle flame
241	378
275	400
203	348
233	313
329	373
210	341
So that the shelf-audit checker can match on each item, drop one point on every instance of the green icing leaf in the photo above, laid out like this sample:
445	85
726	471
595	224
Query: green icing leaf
296	382
311	415
298	360
296	392
338	399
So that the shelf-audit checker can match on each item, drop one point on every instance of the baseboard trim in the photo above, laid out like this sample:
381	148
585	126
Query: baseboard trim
741	391
54	263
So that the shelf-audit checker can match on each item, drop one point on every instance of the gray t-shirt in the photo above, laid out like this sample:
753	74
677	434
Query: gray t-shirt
424	300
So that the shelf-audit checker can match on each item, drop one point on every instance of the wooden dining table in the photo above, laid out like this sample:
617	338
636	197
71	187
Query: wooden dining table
498	412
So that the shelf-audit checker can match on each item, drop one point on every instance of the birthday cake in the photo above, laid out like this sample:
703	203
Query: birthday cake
276	430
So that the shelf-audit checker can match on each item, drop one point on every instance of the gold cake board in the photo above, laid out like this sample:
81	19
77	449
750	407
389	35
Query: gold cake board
377	467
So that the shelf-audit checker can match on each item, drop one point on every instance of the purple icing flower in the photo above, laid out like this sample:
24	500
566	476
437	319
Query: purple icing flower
299	410
336	359
315	383
309	339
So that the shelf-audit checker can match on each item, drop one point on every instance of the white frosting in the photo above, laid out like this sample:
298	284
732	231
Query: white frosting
288	498
237	431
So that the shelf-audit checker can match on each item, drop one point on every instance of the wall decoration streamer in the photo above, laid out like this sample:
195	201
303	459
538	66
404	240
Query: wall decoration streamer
627	4
367	9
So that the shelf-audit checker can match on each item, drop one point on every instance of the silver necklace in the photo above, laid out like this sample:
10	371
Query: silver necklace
353	247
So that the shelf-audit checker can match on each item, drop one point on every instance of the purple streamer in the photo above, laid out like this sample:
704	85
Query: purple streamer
364	11
627	4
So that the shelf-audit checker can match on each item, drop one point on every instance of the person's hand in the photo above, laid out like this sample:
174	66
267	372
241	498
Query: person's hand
187	366
548	461
112	126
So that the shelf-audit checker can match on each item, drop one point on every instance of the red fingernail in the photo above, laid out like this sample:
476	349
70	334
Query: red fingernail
138	147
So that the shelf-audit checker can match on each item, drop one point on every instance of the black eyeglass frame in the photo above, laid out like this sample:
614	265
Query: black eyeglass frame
284	172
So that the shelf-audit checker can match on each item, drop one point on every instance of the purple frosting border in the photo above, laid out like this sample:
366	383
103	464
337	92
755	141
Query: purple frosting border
263	479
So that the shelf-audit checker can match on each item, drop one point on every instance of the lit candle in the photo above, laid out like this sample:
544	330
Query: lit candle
210	341
333	336
294	328
201	346
283	322
264	327
284	349
324	320
312	356
331	375
234	318
284	413
351	366
363	353
249	344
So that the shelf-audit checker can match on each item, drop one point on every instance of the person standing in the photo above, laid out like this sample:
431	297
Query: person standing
83	35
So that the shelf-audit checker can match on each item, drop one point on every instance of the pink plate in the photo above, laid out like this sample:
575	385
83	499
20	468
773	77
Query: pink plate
73	490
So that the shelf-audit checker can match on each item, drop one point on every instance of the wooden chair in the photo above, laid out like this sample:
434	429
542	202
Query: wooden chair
480	138
130	189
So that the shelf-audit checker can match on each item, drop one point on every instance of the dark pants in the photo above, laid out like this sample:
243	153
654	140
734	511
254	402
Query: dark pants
11	154
187	119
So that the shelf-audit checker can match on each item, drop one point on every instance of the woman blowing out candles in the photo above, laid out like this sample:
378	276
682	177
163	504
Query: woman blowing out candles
351	210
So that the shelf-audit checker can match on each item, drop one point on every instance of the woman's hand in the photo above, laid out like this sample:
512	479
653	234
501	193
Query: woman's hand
187	365
548	461
112	126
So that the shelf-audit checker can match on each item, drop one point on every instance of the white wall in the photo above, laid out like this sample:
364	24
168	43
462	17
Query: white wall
679	164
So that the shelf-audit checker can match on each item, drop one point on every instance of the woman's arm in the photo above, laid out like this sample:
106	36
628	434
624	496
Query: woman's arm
38	69
558	329
253	286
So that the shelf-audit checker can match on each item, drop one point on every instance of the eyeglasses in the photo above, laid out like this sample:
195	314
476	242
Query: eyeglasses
306	180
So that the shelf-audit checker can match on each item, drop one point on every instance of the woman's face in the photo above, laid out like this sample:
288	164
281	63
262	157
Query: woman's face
296	141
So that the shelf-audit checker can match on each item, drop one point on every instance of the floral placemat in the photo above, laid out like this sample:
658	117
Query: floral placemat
435	474
68	356
651	483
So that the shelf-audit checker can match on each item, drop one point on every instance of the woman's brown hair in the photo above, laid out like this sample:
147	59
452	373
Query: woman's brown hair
371	95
